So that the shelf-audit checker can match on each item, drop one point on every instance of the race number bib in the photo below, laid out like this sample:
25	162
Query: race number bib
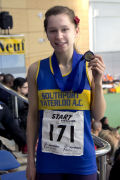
63	132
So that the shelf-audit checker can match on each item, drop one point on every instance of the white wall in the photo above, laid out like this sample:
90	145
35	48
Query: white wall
104	26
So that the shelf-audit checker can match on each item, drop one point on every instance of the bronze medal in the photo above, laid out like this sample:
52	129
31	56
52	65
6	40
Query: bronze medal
89	55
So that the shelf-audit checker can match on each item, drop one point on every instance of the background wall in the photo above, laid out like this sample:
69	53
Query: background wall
28	16
113	109
104	18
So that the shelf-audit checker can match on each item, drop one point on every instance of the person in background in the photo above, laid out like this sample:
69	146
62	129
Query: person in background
9	128
5	97
20	85
8	80
96	127
105	124
115	170
61	100
116	133
95	130
2	77
110	137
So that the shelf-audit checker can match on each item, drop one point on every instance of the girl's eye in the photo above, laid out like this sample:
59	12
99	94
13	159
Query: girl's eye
55	31
52	31
65	29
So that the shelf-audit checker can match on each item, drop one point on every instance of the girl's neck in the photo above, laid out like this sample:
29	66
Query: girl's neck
65	62
64	59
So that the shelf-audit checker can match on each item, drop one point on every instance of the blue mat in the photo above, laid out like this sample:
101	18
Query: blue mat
7	161
19	175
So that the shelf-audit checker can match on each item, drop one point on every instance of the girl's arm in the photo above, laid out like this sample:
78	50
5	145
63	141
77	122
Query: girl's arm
98	104
32	121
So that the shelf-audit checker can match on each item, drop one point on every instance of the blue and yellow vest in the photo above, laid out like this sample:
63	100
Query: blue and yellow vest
50	97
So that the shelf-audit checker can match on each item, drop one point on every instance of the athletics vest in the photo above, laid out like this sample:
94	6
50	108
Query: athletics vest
65	141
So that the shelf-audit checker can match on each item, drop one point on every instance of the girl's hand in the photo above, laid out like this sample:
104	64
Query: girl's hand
97	66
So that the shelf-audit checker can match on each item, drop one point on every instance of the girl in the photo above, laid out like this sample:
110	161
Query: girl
63	92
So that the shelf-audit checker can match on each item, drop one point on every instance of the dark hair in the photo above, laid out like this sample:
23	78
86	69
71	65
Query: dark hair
8	78
117	155
2	74
103	120
59	10
18	82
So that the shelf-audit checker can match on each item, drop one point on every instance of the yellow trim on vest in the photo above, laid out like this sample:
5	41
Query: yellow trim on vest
50	62
88	73
51	68
38	68
55	99
66	74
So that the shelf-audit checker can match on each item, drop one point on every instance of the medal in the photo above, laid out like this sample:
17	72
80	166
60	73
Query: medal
89	55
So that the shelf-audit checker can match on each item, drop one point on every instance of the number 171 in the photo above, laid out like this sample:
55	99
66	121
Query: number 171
63	127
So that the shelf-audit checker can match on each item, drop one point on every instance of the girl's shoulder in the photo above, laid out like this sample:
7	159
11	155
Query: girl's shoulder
33	66
32	70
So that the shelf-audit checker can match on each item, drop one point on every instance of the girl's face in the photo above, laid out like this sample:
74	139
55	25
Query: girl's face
61	32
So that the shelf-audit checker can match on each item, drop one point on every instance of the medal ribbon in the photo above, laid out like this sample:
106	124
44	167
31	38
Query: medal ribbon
76	79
